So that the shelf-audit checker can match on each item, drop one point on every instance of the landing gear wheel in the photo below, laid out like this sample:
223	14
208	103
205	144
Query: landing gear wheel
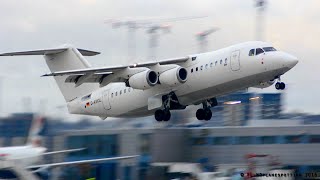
159	115
167	115
207	114
200	114
277	85
280	86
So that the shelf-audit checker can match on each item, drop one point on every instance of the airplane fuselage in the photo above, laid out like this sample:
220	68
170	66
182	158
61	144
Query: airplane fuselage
22	155
209	75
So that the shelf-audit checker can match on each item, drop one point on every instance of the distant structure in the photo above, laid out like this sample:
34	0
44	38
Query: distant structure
154	38
260	19
271	105
202	38
152	25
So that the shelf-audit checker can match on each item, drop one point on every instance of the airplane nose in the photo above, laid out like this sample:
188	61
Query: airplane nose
291	61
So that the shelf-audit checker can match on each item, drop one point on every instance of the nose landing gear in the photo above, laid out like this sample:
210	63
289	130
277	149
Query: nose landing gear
280	85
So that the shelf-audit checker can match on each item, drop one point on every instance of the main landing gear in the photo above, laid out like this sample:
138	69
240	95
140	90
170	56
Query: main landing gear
170	102
205	113
162	115
280	85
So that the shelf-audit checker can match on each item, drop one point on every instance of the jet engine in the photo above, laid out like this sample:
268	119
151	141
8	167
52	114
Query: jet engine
265	84
143	80
174	76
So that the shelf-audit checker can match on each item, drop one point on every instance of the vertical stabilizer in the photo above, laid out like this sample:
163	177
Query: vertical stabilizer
62	59
71	59
36	131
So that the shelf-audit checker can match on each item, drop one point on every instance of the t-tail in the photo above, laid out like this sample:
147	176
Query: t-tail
62	59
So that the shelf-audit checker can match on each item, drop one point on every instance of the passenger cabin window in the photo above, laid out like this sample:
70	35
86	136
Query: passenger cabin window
116	93
221	61
112	95
120	92
196	68
201	67
267	49
206	66
124	91
259	51
192	70
211	64
251	52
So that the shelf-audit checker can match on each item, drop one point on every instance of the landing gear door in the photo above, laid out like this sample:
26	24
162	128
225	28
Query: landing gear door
155	102
105	100
235	60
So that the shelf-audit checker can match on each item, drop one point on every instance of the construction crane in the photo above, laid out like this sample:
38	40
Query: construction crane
202	38
152	27
261	6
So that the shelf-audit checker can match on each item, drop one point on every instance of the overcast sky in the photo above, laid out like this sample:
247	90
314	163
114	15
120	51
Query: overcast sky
291	25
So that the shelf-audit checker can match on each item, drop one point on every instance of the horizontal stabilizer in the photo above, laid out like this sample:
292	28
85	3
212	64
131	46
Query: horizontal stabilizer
49	52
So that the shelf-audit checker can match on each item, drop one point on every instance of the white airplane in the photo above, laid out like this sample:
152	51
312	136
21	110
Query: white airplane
143	89
29	155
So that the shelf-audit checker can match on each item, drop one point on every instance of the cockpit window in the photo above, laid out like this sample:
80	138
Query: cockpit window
86	97
259	51
251	52
267	49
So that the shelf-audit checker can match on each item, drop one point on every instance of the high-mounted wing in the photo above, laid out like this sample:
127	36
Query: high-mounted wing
105	75
110	70
81	162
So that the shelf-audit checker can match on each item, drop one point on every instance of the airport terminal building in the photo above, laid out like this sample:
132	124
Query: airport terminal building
224	141
295	147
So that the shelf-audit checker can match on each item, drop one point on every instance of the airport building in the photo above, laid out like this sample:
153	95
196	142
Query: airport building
225	141
292	147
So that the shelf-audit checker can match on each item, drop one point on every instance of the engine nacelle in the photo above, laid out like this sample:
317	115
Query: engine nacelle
265	84
174	77
143	80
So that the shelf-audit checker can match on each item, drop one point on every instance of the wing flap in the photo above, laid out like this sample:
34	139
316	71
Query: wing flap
95	78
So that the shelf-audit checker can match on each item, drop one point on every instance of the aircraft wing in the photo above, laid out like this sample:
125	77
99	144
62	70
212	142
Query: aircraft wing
80	162
114	73
63	151
110	70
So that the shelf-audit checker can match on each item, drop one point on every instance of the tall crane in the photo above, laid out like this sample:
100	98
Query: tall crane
260	19
152	27
202	38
